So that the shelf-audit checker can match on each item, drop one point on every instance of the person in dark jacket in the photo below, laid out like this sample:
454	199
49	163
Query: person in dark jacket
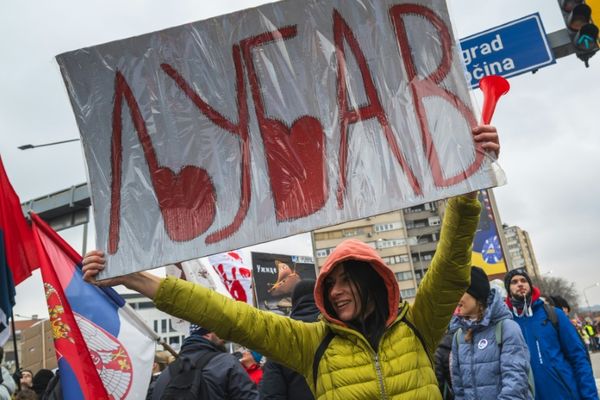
558	358
54	389
489	356
225	377
279	382
442	366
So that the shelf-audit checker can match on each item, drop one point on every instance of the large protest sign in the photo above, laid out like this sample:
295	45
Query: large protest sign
269	122
275	276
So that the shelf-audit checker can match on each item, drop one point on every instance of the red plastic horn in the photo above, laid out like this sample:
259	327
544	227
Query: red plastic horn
493	87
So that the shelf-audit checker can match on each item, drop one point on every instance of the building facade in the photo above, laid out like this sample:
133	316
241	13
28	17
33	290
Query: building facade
157	320
520	250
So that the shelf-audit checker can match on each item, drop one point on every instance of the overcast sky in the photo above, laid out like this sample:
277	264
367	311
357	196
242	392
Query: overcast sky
550	145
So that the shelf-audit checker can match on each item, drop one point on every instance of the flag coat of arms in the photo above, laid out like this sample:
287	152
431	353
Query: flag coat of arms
104	350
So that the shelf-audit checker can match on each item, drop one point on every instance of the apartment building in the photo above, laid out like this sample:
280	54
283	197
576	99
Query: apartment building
520	250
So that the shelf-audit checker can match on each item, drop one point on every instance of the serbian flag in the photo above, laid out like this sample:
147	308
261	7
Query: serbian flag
19	250
104	350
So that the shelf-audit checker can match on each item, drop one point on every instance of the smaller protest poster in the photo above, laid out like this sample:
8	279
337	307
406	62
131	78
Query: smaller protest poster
275	276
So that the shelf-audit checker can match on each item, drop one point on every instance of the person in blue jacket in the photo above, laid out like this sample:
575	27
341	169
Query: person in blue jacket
558	358
489	358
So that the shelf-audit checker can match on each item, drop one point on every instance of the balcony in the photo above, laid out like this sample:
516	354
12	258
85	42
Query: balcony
416	215
425	230
423	247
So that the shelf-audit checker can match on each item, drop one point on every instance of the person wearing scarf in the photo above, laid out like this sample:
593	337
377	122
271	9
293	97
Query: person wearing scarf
558	358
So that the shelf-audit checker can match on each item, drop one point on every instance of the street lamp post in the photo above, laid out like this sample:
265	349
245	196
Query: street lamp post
33	146
585	295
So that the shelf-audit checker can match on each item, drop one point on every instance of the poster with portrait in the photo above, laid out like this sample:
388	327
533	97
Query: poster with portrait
275	276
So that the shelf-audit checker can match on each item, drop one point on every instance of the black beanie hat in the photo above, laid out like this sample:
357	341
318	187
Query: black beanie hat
40	380
510	274
480	286
302	288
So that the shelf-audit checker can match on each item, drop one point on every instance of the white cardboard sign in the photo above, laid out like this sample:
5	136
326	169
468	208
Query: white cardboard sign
269	122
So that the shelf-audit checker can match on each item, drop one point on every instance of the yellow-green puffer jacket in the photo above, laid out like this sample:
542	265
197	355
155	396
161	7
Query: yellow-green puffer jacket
349	368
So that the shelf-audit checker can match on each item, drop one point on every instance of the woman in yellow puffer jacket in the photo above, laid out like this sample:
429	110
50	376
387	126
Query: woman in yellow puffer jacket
370	345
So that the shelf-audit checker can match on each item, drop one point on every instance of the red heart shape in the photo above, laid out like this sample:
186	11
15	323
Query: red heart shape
296	162
187	201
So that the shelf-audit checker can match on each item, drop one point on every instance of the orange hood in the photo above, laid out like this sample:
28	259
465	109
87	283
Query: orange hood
352	249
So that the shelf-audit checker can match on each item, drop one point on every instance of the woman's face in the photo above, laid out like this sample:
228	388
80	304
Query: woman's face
343	295
468	307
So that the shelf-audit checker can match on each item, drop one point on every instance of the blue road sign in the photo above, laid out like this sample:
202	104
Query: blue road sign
507	50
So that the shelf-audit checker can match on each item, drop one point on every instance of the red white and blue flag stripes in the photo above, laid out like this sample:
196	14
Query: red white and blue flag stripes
104	350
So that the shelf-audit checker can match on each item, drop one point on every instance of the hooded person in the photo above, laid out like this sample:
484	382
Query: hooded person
368	344
559	362
490	359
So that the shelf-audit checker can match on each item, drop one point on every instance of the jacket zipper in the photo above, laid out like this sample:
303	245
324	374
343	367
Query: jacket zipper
380	377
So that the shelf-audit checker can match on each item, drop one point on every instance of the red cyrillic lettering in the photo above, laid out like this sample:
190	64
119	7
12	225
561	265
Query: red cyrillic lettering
341	33
429	87
186	199
240	129
296	154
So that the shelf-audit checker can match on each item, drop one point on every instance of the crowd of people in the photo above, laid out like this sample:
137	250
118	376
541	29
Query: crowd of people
350	335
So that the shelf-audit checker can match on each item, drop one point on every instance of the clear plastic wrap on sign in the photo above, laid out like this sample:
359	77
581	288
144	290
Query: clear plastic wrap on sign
269	122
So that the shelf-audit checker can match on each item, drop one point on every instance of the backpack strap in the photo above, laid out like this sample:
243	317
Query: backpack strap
418	335
319	354
551	315
498	332
458	335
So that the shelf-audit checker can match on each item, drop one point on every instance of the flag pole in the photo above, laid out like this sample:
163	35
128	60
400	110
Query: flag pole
14	336
168	348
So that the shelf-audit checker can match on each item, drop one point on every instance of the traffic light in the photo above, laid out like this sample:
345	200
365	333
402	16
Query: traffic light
583	32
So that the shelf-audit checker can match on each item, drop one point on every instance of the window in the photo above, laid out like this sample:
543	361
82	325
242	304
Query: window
388	226
171	329
407	293
155	326
434	221
163	326
145	304
400	258
387	243
324	252
352	232
403	276
174	340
